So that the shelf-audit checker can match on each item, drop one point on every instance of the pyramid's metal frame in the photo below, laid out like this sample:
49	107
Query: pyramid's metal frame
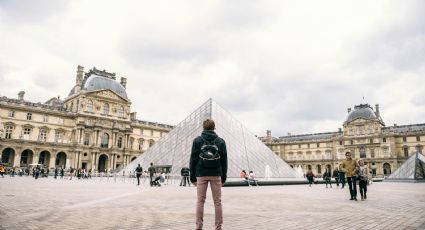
411	170
245	150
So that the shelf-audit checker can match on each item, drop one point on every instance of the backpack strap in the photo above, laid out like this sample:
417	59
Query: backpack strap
212	142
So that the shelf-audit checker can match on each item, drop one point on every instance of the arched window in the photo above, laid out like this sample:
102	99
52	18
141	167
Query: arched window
106	109
319	169
89	106
105	141
387	169
120	111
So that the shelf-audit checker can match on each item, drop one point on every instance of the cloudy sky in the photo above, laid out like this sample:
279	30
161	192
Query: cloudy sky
288	66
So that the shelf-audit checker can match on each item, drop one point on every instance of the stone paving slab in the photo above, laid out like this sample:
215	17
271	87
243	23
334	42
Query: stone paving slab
26	203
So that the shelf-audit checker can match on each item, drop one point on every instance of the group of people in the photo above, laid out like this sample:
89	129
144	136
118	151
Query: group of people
350	171
153	180
248	178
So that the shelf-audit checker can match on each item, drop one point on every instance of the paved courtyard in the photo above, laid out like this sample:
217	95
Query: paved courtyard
63	204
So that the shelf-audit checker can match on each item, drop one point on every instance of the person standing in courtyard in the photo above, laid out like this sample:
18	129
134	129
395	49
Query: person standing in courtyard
62	173
363	177
310	176
185	172
336	176
351	168
208	164
341	177
327	176
151	170
139	171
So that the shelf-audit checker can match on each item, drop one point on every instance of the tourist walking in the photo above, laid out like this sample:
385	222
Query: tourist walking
363	177
341	177
335	175
351	168
151	170
139	171
185	172
310	176
2	170
327	176
208	164
62	173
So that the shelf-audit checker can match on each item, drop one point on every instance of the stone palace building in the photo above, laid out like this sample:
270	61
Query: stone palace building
92	128
363	133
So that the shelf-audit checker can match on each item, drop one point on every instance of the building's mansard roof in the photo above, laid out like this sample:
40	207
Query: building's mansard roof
403	129
52	105
309	137
98	80
56	104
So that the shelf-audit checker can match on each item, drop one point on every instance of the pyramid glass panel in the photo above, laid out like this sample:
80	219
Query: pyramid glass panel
245	151
412	169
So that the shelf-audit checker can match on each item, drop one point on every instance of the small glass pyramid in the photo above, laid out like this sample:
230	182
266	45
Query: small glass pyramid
244	150
412	169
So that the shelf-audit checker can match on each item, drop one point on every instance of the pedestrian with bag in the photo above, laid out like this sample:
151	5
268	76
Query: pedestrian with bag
139	171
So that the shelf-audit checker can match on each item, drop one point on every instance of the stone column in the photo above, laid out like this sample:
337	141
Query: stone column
17	159
35	157
52	163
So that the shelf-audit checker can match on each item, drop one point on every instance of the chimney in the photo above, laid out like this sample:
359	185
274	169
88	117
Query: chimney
21	95
377	110
289	134
133	115
340	130
79	78
124	82
349	110
395	125
269	133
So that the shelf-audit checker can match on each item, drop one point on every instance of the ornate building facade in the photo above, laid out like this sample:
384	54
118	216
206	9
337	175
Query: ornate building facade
363	133
92	128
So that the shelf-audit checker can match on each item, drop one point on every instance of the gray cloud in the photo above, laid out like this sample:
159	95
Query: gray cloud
273	65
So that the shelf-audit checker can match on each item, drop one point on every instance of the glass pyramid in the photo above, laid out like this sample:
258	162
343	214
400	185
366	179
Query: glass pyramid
245	151
412	169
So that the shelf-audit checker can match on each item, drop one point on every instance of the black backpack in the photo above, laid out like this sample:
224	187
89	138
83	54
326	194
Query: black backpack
209	156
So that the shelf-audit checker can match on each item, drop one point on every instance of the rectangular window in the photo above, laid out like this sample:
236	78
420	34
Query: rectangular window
27	132
119	144
371	140
372	153
318	145
384	140
11	113
299	146
8	134
404	139
418	138
308	145
86	139
352	142
58	137
29	116
43	135
340	142
45	118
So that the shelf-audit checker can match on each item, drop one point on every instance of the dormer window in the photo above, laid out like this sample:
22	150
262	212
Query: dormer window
29	116
106	109
89	106
120	111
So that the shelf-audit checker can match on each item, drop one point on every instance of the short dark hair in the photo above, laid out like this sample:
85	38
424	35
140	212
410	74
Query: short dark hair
208	124
347	153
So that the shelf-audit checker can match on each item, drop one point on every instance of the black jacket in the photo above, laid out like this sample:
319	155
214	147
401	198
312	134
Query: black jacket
195	169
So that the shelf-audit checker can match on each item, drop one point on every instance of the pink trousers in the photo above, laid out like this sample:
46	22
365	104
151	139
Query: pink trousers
201	186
